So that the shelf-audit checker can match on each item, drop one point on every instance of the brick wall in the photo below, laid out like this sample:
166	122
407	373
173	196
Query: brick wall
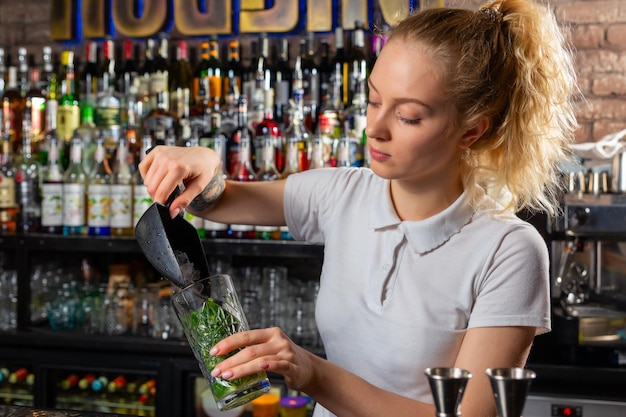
598	32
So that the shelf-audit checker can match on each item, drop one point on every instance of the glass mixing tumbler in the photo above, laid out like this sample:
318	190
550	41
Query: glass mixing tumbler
209	311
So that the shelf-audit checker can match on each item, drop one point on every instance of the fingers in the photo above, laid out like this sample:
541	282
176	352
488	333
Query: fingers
165	167
261	350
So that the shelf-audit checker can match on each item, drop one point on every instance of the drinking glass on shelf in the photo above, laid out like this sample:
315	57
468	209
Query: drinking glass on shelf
209	311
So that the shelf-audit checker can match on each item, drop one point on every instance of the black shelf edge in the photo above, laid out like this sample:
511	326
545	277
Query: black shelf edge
128	244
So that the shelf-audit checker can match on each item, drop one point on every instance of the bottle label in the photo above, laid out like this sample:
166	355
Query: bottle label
7	192
98	205
121	199
107	116
52	205
73	205
68	120
141	201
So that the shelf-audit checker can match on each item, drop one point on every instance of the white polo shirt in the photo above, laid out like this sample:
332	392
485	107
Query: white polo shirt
397	296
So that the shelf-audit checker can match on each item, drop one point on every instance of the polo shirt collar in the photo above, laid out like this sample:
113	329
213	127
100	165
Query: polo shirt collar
423	235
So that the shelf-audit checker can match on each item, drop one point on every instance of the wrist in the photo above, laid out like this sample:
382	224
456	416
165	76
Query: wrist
210	195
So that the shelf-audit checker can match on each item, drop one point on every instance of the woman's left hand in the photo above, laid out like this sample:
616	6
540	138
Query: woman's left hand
264	350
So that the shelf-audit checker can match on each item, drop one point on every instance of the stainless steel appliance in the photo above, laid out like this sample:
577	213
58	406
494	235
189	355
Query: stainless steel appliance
581	364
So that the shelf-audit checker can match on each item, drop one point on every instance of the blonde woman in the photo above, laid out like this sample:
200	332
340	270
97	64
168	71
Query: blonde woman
422	267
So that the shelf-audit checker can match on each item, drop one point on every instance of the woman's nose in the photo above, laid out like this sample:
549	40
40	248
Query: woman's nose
376	127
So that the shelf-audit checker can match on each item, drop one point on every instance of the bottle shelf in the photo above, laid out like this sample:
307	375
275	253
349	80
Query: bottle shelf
109	244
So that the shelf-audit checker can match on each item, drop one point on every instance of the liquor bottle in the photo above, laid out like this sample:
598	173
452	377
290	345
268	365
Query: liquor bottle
215	73
325	71
241	130
145	72
233	72
267	170
159	122
269	128
377	43
129	71
242	169
310	81
297	131
99	194
141	197
343	152
200	93
48	74
292	160
122	193
108	68
341	66
68	112
316	159
3	70
27	177
12	110
74	185
35	104
180	82
282	83
108	117
8	206
23	71
329	130
355	120
88	133
159	78
218	143
88	80
358	60
52	191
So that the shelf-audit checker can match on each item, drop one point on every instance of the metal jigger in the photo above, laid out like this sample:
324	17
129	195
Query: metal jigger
510	387
447	386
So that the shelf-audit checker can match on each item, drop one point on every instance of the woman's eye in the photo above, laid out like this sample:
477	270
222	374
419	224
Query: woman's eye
408	121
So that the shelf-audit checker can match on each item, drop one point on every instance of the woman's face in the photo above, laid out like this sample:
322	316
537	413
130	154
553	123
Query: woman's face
410	124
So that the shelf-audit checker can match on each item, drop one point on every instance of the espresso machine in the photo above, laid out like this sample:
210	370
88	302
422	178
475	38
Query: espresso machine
581	363
589	276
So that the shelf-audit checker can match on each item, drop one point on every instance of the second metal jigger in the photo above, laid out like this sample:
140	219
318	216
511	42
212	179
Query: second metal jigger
510	388
447	386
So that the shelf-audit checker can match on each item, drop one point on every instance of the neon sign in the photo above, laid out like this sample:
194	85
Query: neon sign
89	19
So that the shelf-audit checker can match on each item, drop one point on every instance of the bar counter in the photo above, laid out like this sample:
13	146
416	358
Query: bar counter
19	411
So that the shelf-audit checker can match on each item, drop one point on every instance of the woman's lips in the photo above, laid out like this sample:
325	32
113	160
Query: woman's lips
378	156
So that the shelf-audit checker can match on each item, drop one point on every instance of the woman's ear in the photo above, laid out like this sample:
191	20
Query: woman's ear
474	132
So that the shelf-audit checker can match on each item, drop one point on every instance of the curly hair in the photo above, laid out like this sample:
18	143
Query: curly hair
508	61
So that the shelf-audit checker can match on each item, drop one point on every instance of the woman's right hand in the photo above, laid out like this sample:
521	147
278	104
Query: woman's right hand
165	167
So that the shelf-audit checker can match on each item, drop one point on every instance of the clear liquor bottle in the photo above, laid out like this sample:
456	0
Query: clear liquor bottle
8	206
217	142
311	81
122	193
355	120
23	71
99	194
141	197
35	104
74	186
296	131
27	180
52	191
88	133
3	70
268	128
243	171
88	78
